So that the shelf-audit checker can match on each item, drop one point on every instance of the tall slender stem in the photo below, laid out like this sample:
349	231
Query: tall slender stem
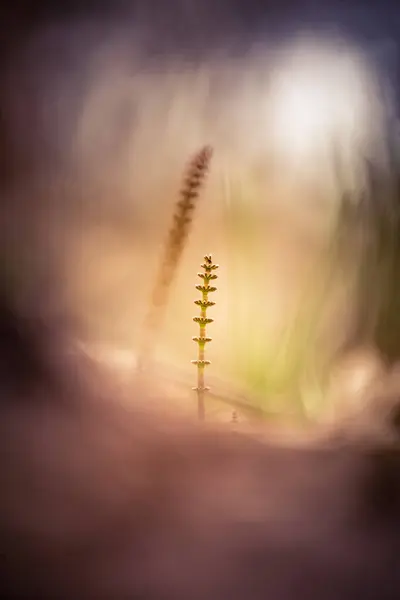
205	288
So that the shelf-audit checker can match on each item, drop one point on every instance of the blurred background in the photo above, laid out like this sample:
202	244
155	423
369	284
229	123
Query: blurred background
103	104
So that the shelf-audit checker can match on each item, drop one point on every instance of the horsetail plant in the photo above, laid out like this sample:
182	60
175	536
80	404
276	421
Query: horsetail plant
177	237
204	303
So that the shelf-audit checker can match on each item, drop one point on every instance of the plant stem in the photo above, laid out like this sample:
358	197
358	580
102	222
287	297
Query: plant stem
205	288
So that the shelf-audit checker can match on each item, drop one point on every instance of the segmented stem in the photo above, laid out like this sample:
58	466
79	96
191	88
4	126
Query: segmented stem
204	303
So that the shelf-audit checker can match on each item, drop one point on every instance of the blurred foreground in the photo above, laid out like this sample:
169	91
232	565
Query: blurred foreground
105	498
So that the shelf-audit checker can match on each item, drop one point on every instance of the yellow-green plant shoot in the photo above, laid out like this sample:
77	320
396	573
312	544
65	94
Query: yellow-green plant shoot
204	303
